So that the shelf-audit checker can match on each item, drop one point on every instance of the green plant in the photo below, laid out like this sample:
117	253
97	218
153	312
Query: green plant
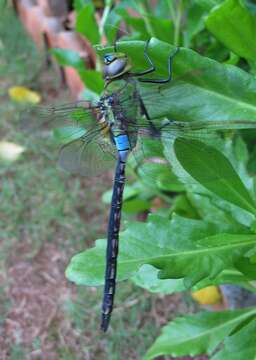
210	238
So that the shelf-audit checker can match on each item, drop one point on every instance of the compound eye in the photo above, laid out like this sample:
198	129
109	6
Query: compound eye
108	58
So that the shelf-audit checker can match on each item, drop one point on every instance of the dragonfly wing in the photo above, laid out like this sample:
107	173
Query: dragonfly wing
155	146
76	126
204	130
77	114
87	156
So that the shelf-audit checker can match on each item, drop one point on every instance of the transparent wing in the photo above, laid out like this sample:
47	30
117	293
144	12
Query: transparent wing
77	115
88	156
85	151
204	130
156	144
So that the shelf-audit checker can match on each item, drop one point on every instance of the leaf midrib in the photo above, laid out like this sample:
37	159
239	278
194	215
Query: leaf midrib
198	252
229	99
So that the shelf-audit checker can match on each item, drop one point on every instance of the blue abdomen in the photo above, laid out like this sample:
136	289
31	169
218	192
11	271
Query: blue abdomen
122	142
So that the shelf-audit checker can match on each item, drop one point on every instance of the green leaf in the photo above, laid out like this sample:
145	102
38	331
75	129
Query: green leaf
183	248
160	175
247	267
233	151
163	29
195	19
208	210
212	255
226	277
129	193
147	278
86	24
137	23
93	80
183	207
241	345
213	170
68	57
79	4
197	334
233	25
135	205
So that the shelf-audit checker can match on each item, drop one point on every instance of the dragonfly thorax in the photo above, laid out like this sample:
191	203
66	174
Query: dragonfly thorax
115	65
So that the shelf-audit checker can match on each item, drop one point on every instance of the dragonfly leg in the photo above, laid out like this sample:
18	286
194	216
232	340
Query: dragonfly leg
162	81
152	67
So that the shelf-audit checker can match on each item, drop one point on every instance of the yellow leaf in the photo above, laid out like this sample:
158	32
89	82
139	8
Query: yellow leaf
207	296
24	95
10	151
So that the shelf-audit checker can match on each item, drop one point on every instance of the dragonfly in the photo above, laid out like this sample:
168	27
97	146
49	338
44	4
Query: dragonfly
95	135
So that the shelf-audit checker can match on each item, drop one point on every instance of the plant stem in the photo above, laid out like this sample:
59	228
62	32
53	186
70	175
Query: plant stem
145	10
176	15
106	12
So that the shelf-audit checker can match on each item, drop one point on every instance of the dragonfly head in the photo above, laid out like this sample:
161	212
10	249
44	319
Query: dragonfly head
115	65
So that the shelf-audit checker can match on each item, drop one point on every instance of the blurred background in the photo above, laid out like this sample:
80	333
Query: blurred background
46	215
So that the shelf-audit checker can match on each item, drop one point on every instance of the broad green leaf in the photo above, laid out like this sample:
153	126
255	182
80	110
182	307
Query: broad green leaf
204	90
230	276
195	20
233	25
160	176
247	267
163	29
233	151
147	278
169	182
68	57
241	345
66	134
213	170
129	193
79	4
212	255
183	207
136	205
197	334
137	23
86	24
183	248
207	208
